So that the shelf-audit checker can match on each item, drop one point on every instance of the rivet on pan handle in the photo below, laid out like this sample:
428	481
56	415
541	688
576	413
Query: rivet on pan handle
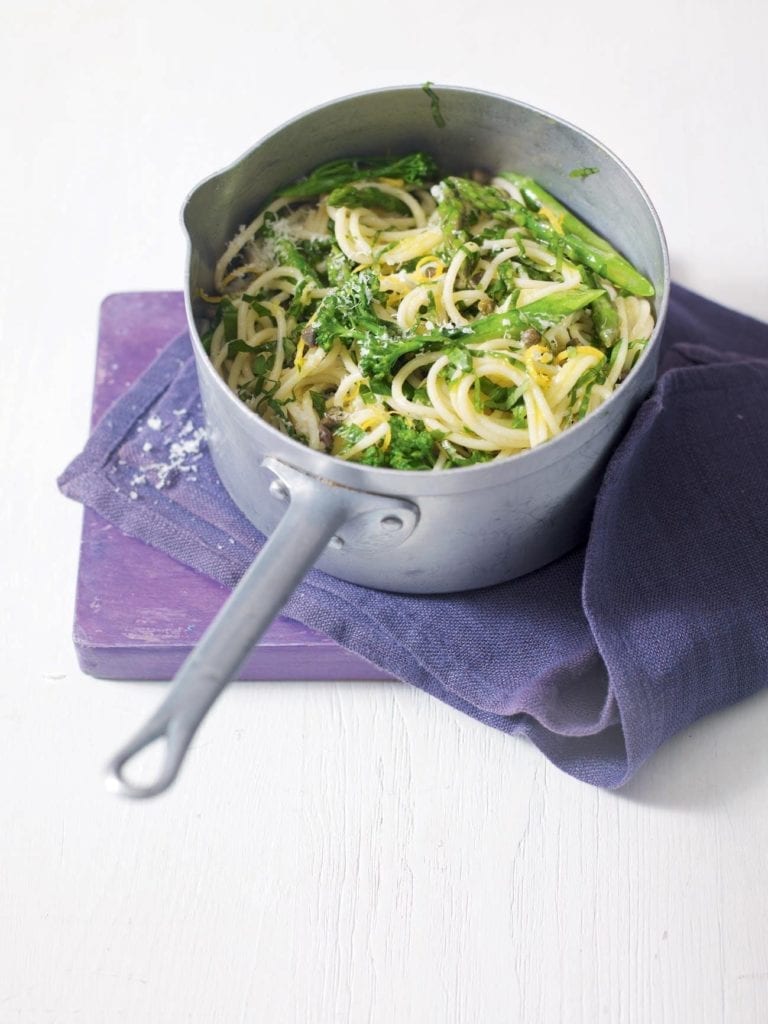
317	513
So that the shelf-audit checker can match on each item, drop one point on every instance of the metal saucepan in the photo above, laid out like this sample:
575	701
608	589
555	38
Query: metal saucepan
413	532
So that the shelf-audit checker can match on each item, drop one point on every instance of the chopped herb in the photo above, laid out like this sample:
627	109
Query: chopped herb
256	306
314	249
501	398
228	314
318	402
475	455
434	102
367	394
236	346
262	362
460	359
583	172
206	339
289	254
350	433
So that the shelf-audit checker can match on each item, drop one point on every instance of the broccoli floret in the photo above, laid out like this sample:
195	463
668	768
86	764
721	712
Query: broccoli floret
414	170
346	313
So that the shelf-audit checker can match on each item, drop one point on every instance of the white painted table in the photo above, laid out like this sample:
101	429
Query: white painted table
350	852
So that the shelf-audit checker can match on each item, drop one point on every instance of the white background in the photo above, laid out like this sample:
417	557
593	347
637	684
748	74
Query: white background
343	852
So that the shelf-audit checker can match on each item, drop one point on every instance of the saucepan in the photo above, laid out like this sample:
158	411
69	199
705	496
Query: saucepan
407	531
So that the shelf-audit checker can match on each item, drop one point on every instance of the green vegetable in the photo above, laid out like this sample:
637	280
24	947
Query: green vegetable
606	320
228	317
579	242
586	382
535	196
460	205
338	268
437	114
475	455
237	345
501	398
414	170
410	447
541	314
379	351
469	212
349	433
378	355
460	359
452	213
346	313
372	198
206	339
289	254
256	306
476	197
318	401
583	172
605	316
314	249
504	285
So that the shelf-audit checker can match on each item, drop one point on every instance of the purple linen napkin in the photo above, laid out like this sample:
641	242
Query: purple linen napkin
599	657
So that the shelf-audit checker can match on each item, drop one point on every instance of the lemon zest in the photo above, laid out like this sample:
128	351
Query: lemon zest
589	350
298	360
539	352
555	219
531	355
428	261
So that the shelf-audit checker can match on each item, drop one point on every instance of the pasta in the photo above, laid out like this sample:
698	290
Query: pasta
386	315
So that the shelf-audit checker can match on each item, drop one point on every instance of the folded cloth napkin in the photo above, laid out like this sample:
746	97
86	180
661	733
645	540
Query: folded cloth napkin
599	657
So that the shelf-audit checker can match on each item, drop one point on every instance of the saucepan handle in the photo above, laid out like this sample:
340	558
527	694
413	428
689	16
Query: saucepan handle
315	514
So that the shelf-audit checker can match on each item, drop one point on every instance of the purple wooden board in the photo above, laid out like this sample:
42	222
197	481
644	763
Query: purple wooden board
138	612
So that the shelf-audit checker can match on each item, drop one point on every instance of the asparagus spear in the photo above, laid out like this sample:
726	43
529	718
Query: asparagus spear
577	241
451	210
368	196
536	197
607	264
581	242
604	314
379	353
461	203
483	198
541	314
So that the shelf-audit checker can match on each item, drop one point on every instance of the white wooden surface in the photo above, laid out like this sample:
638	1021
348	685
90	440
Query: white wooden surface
352	852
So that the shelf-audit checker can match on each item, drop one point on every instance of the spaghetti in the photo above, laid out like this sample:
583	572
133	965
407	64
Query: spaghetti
388	316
